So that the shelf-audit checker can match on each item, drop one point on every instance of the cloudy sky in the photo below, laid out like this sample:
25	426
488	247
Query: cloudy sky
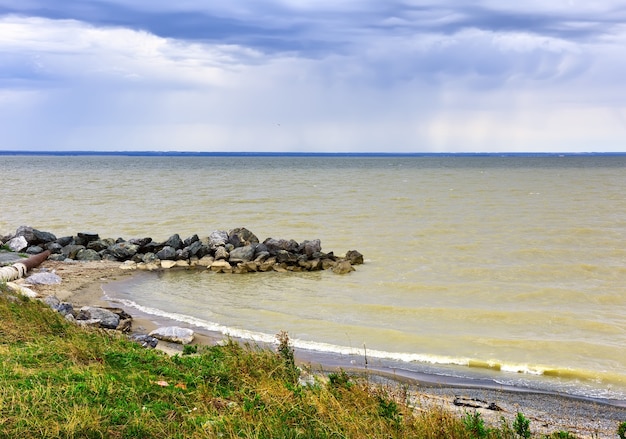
313	75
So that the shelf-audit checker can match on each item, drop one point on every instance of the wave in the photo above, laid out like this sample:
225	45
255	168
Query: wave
509	370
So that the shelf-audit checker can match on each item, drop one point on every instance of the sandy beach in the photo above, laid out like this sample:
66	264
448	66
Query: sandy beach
82	285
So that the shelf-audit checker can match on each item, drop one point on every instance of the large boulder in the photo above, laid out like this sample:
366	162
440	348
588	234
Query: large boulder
354	257
42	237
70	251
18	244
221	253
241	236
26	232
166	253
141	242
54	247
174	334
65	240
87	254
123	251
310	247
145	340
218	238
174	241
100	244
242	254
188	241
196	248
274	245
283	256
84	238
34	250
43	278
105	318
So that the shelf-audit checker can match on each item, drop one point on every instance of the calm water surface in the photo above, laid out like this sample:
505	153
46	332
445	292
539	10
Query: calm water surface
512	268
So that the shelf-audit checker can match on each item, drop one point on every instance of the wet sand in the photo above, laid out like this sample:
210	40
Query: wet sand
82	285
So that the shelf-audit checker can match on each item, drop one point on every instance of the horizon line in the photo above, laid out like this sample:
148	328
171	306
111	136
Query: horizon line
300	154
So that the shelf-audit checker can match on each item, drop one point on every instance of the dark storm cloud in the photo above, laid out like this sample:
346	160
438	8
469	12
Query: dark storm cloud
276	26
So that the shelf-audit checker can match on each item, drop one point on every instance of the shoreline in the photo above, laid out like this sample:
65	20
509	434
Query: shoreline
82	284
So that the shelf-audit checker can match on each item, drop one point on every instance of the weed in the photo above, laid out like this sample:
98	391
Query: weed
340	379
190	349
475	425
621	430
286	352
521	425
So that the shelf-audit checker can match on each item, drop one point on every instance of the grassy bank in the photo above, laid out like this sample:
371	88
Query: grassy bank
58	380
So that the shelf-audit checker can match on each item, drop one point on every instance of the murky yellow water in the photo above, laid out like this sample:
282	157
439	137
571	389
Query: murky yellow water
512	267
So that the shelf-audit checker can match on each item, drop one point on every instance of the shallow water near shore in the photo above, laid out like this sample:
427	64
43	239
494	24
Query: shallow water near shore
507	269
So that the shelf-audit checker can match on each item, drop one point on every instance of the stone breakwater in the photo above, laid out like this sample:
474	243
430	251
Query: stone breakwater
234	251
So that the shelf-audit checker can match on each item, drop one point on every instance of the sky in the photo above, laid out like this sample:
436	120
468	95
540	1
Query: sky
313	75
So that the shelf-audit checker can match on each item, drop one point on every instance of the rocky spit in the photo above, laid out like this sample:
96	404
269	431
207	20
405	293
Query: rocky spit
234	251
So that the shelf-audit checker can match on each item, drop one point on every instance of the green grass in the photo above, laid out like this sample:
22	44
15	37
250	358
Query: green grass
58	380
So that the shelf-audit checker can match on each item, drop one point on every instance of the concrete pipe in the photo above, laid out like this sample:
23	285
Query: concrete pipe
19	269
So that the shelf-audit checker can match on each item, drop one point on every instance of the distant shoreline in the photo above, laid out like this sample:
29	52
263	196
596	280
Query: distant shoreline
307	154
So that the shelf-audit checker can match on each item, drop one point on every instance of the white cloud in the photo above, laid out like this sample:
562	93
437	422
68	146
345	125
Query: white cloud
91	87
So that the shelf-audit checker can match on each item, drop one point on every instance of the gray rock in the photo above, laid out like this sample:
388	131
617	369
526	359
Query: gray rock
174	241
218	238
145	340
26	232
123	251
18	244
196	249
241	236
94	323
283	256
221	253
106	318
87	255
54	247
192	239
166	253
43	278
43	237
354	257
274	245
62	308
70	251
9	258
84	238
57	257
34	250
174	334
183	254
65	308
309	248
141	242
100	244
65	240
242	254
52	301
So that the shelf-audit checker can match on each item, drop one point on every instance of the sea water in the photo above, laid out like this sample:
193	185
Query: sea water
506	268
